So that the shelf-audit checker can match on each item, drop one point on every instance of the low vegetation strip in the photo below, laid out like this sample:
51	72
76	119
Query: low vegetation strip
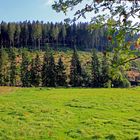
69	114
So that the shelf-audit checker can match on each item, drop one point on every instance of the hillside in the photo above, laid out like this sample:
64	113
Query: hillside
66	54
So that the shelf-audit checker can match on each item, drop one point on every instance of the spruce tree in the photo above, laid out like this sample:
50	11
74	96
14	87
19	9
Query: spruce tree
49	70
45	68
13	67
11	32
25	72
36	71
4	69
61	73
1	68
95	70
75	70
105	77
52	72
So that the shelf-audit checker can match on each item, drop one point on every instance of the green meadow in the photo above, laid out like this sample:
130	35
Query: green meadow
69	114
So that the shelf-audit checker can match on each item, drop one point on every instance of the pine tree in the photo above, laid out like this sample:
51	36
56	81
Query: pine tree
25	72
95	70
36	71
75	70
61	73
13	67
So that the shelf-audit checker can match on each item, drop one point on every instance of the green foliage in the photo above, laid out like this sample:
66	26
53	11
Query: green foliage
126	83
119	80
25	70
4	69
11	30
75	70
49	70
105	72
116	17
96	71
37	32
35	35
20	67
61	73
36	71
13	67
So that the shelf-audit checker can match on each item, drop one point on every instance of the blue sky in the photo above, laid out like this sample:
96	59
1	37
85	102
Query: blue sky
21	10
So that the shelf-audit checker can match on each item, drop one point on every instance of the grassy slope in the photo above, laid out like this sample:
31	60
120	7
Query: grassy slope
66	114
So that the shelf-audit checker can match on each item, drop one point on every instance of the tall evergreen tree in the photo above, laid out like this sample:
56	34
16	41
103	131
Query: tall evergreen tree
95	70
13	67
75	70
37	33
52	72
11	32
24	35
55	33
105	73
61	73
17	35
63	33
4	34
4	69
1	67
36	71
25	71
45	71
49	70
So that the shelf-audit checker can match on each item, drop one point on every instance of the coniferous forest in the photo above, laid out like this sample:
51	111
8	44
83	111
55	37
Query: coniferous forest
18	67
35	35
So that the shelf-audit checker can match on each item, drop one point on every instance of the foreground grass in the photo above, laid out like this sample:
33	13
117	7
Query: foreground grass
66	114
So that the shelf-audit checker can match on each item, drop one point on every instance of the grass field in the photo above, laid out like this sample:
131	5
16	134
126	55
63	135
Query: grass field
67	114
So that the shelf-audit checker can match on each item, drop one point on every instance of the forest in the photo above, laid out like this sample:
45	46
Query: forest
35	35
21	67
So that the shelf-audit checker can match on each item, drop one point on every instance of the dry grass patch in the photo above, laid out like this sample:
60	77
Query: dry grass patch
7	90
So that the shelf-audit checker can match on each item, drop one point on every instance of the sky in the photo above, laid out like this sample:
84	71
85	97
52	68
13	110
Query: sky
21	10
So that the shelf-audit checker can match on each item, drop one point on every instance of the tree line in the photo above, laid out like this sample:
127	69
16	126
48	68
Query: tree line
37	34
21	70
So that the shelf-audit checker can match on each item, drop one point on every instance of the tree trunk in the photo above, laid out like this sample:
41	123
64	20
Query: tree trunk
39	44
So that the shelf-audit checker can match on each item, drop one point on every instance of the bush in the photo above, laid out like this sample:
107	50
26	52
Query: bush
126	83
107	84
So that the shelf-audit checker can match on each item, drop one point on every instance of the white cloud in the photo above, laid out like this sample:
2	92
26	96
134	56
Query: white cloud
49	2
